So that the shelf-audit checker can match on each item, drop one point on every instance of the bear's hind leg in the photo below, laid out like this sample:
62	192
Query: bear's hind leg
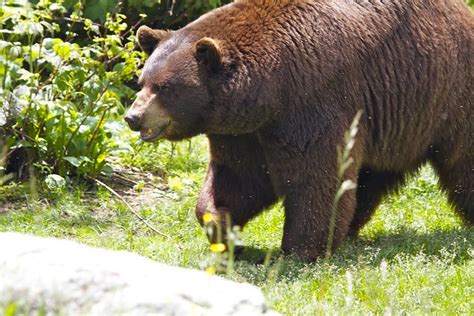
372	186
457	179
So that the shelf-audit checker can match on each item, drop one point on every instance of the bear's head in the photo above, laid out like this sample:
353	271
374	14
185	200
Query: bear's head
174	101
213	76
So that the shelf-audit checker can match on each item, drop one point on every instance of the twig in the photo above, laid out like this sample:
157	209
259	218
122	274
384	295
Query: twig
124	180
82	21
131	209
173	2
133	28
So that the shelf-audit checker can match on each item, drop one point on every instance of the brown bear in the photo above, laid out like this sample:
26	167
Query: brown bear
275	84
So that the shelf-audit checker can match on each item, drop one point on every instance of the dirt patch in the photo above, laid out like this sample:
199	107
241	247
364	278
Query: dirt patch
14	197
138	188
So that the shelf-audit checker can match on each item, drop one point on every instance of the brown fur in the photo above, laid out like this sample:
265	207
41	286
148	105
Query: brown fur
276	84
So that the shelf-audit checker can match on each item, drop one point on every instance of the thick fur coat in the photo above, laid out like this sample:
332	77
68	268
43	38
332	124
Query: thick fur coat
275	85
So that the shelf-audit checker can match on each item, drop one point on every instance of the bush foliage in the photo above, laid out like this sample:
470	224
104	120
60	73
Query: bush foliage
159	13
60	98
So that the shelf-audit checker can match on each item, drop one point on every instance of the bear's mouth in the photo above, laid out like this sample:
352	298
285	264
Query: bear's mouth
152	134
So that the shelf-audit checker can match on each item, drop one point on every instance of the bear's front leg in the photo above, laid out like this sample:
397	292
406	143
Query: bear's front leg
237	185
308	217
304	170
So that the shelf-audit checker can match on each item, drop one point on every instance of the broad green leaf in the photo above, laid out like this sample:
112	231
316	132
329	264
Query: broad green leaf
63	50
73	161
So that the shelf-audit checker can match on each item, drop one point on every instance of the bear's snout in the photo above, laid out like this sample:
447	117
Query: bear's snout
133	121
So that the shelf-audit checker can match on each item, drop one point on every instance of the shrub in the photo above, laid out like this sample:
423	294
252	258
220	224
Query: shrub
60	99
160	14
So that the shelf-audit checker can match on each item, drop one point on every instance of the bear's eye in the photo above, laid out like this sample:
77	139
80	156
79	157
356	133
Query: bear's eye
164	89
161	89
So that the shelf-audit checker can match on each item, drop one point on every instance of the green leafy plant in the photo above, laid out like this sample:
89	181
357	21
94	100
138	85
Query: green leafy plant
159	13
61	99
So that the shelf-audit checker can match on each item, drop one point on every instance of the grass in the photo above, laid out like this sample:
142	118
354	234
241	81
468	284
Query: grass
414	257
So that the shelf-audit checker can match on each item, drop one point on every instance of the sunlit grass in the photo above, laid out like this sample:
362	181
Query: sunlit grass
413	257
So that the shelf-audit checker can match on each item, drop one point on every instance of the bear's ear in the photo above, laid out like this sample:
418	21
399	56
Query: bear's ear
149	38
209	53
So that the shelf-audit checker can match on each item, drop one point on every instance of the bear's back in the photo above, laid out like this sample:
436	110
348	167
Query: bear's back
407	64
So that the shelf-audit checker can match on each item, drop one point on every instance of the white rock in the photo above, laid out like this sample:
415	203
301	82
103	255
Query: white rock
64	277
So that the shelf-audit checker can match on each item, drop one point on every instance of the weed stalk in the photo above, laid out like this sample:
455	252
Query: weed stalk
344	161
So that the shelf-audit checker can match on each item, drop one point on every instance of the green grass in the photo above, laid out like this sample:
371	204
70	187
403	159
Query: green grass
414	257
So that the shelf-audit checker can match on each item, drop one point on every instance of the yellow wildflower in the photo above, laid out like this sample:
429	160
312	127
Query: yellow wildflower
208	218
211	270
175	183
218	248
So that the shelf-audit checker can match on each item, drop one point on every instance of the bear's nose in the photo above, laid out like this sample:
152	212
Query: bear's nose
133	121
